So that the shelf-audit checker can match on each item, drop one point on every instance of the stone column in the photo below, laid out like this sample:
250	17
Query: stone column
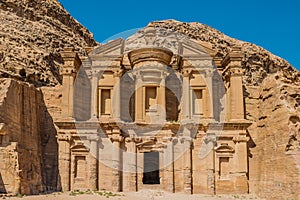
116	139
139	101
129	166
64	161
236	94
187	165
69	71
117	97
211	141
168	165
178	165
209	94
93	163
186	96
140	170
162	100
241	163
234	62
94	76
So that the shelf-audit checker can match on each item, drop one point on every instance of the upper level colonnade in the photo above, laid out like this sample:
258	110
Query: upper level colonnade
153	76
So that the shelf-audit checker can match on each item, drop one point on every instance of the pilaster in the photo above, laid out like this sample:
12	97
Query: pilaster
209	94
94	77
117	96
93	163
241	163
129	166
139	103
69	71
186	96
116	139
64	164
187	164
234	71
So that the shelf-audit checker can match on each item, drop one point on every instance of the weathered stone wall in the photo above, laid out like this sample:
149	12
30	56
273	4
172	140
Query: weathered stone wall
274	172
48	110
20	116
9	169
30	128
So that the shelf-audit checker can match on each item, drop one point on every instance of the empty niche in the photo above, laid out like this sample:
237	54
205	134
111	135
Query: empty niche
80	167
224	167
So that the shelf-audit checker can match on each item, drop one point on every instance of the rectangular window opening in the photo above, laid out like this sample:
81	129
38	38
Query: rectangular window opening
105	102
197	102
151	98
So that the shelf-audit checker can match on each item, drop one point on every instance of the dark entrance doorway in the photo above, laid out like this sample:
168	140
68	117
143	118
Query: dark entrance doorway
151	168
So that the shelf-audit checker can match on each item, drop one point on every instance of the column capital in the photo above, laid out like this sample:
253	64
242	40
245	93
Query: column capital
240	138
93	73
184	139
116	137
210	138
176	61
234	58
186	73
129	139
235	70
209	73
118	73
174	140
71	60
94	138
63	137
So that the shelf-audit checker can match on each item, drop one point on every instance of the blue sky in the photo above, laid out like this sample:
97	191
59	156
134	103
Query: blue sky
274	25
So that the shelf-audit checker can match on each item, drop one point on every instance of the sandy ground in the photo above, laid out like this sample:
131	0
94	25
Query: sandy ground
143	195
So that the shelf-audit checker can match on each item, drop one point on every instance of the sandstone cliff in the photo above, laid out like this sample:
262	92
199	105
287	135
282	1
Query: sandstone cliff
31	37
28	145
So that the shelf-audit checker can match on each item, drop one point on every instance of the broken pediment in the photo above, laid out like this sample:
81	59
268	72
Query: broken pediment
190	48
151	38
113	48
163	38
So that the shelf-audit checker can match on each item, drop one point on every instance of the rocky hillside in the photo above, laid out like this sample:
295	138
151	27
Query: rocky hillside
32	33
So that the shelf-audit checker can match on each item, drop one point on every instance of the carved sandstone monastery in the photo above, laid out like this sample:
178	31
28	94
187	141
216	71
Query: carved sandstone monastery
178	107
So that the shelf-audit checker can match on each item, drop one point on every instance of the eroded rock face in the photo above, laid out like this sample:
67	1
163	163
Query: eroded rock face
31	37
28	140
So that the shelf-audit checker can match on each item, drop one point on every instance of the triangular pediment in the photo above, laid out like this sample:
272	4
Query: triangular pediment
190	48
112	48
168	39
176	43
